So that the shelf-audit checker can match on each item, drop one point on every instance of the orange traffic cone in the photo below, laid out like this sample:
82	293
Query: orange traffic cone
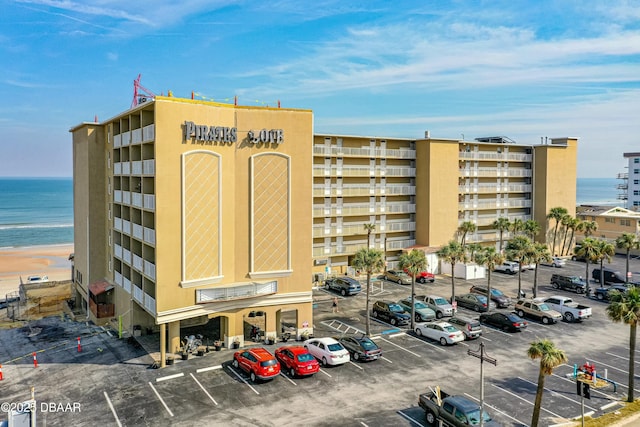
1	377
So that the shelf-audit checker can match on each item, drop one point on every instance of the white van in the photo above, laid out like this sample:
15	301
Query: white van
37	279
510	267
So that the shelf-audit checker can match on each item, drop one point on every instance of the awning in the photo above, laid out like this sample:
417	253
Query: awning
100	287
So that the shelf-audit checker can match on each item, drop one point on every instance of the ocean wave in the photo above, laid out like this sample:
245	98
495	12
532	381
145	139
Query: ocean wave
31	226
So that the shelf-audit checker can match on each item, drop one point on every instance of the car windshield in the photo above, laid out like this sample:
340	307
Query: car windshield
497	292
335	347
420	305
269	362
513	318
440	301
474	417
449	328
306	357
396	308
368	344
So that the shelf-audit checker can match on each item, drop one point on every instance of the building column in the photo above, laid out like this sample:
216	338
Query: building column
270	328
163	345
174	337
305	319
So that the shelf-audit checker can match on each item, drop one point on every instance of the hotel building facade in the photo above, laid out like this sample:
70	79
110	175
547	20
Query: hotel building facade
190	212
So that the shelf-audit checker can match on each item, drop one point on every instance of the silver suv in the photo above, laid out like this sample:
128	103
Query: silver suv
440	305
470	327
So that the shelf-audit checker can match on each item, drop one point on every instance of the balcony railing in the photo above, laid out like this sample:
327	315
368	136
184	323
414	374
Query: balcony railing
117	141
236	292
136	167
126	197
150	303
496	172
363	190
126	138
495	188
136	199
149	132
138	294
136	136
148	167
149	235
357	229
137	262
320	170
364	152
325	251
150	269
150	201
500	157
493	204
362	209
126	284
117	196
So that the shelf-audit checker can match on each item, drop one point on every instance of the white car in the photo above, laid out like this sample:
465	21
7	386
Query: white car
444	332
556	262
509	267
327	350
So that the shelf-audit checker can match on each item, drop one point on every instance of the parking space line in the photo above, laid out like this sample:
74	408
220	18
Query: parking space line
340	323
322	370
425	340
556	393
113	410
210	368
397	335
356	365
203	389
243	380
493	408
161	400
622	357
169	377
385	359
400	347
413	420
594	390
610	405
484	338
524	400
288	379
608	366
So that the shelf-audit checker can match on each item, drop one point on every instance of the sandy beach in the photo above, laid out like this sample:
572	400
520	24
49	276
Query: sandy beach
52	261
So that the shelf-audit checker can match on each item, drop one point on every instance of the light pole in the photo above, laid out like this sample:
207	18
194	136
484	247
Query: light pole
480	354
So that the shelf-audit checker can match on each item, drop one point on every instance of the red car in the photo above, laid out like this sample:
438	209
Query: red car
424	277
257	362
297	361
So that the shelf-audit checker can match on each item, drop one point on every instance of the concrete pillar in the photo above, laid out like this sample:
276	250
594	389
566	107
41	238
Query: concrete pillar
304	320
163	345
174	337
278	323
270	330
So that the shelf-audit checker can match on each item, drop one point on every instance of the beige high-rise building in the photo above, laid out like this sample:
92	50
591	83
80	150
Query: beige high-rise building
190	212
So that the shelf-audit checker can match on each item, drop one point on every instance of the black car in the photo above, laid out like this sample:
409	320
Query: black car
391	312
497	296
571	283
603	293
609	277
345	285
475	302
361	348
504	321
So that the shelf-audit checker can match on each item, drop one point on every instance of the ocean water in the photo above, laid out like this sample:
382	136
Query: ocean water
39	211
36	211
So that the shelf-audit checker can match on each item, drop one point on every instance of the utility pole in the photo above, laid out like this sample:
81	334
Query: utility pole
480	354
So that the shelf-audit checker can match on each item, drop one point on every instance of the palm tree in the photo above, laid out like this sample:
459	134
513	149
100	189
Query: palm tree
532	228
517	226
539	253
413	263
369	228
550	358
605	251
518	249
489	257
369	261
466	227
576	225
472	249
589	228
565	221
502	225
588	250
627	241
556	214
452	254
625	307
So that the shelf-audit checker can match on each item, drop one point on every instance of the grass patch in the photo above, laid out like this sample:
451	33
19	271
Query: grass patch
611	418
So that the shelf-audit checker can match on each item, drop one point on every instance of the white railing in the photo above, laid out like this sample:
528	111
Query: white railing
126	226
236	292
150	201
126	284
126	197
126	138
136	167
321	170
492	204
118	278
117	168
117	196
136	136
117	223
148	167
149	235
118	251
126	168
138	294
399	244
126	256
137	262
150	269
117	141
364	152
136	199
137	231
148	132
483	155
150	303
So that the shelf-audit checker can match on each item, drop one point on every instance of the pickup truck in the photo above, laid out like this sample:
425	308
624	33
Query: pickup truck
457	411
571	311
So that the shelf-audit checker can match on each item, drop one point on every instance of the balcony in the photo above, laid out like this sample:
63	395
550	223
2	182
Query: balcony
495	172
117	251
494	188
126	168
117	168
320	190
149	201
136	167
148	132
494	156
149	235
136	199
362	209
126	256
363	171
358	229
236	292
126	138
335	151
117	141
494	204
148	167
126	227
117	196
126	284
137	262
117	223
149	269
136	136
126	197
326	251
150	303
138	294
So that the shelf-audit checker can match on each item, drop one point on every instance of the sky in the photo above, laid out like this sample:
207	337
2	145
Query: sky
460	69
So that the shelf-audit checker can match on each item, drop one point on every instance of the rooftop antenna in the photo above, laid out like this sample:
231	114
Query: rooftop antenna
137	88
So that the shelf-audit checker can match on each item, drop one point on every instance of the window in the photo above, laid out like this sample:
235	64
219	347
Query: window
636	171
610	220
636	203
636	181
636	192
625	222
636	160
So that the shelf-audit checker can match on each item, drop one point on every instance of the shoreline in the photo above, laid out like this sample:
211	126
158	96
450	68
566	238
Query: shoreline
16	263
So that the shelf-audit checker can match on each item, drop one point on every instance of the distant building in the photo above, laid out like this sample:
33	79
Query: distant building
612	222
630	185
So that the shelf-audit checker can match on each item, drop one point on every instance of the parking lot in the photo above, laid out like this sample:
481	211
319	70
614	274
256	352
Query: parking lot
113	384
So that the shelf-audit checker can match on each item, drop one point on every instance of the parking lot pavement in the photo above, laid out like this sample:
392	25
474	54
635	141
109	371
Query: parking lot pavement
113	384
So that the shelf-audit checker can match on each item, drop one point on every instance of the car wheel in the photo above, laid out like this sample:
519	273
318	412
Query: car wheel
292	372
343	292
555	286
443	341
375	314
393	322
399	282
419	332
439	314
476	308
253	377
431	417
573	258
546	320
521	313
600	296
355	356
235	363
418	318
324	361
568	317
505	328
579	291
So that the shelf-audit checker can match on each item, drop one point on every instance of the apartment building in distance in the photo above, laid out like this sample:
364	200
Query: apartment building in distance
188	212
612	221
630	186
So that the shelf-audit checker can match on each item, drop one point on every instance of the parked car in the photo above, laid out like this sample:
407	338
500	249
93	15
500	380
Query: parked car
257	362
327	350
508	322
297	361
610	277
497	296
509	267
455	411
361	348
423	312
424	277
443	332
36	279
391	312
571	283
571	311
556	262
475	302
602	294
469	327
344	284
575	256
538	310
399	277
440	305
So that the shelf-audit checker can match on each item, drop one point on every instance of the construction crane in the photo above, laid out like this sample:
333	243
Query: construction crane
140	93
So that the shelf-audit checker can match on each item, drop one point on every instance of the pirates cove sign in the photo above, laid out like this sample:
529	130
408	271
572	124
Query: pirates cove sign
209	135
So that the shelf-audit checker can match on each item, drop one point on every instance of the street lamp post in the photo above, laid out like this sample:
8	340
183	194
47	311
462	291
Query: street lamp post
480	354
